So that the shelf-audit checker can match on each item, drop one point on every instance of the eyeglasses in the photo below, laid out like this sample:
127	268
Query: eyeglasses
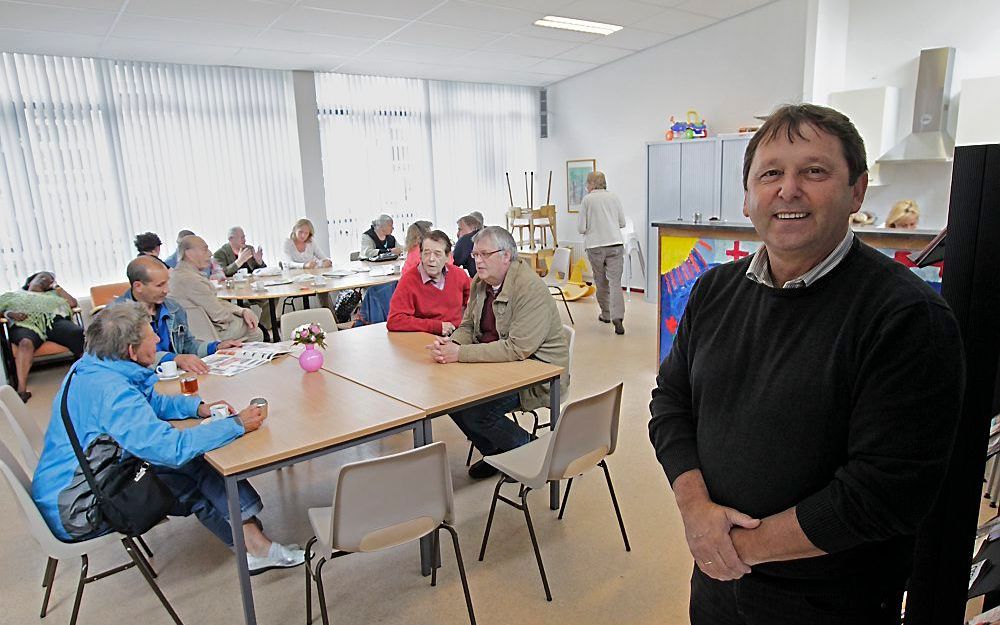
482	255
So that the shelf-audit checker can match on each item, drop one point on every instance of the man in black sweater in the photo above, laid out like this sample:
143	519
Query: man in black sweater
468	227
806	412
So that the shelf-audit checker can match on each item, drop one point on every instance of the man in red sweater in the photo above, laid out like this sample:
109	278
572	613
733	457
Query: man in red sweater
432	298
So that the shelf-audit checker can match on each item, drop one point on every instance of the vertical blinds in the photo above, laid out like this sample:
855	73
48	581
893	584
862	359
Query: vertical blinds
95	151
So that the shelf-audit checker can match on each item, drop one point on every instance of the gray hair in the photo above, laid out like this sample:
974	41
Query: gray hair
471	221
381	221
116	328
182	234
186	244
501	238
233	231
479	216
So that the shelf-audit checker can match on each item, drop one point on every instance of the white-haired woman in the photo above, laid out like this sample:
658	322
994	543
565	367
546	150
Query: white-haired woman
115	410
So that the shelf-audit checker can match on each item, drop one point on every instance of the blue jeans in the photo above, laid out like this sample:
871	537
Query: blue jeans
488	426
201	491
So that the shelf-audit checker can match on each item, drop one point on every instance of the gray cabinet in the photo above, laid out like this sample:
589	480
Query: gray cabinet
684	177
731	186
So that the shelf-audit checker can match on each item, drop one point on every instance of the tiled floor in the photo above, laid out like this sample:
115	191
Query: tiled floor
593	579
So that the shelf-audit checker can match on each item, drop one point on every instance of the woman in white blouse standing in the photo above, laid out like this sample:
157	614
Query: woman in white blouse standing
300	251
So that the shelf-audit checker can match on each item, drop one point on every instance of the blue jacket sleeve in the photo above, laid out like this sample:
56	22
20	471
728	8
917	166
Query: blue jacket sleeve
132	422
174	406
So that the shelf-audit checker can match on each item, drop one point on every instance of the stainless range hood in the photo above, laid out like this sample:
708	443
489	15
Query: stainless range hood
929	140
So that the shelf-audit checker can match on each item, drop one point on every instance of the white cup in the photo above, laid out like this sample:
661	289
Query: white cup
220	411
167	369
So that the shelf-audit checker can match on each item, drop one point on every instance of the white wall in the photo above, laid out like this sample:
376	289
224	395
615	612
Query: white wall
728	72
884	40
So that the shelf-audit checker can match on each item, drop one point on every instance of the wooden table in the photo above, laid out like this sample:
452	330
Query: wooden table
309	415
398	364
272	294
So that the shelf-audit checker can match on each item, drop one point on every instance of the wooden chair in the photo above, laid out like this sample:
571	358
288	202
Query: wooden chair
542	218
102	295
47	352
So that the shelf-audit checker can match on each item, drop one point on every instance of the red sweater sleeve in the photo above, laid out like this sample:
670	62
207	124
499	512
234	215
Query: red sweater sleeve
402	308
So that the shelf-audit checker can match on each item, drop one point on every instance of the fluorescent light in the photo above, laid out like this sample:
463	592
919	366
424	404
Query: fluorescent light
583	26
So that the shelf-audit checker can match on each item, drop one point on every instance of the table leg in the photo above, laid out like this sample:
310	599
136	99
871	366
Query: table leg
240	549
554	416
275	329
422	435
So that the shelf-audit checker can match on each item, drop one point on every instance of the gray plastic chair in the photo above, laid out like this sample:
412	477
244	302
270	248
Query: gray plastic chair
586	434
57	550
564	399
30	437
320	316
557	276
382	503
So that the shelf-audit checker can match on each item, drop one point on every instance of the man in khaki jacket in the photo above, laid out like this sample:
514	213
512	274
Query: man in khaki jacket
510	316
193	290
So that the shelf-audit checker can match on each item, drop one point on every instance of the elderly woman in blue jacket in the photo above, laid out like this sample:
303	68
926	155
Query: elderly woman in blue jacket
115	410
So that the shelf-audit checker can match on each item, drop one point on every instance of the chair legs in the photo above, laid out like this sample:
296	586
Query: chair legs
562	508
84	565
47	581
461	566
523	506
145	547
614	500
562	296
147	573
534	542
317	574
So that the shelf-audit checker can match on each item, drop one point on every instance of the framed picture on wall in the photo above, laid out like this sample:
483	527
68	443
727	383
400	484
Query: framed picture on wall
576	181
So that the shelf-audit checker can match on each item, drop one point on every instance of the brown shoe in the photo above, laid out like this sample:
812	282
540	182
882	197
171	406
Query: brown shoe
619	328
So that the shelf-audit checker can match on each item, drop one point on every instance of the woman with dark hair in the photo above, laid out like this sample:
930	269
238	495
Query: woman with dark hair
41	311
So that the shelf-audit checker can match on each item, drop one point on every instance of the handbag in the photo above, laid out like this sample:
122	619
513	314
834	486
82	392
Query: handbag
129	497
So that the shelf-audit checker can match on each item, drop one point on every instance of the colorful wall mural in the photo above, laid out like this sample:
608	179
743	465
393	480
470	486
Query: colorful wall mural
684	259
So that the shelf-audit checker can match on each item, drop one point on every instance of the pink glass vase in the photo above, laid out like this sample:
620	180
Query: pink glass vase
311	359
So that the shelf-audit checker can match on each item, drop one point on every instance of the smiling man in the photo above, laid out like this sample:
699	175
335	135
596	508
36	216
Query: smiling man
805	414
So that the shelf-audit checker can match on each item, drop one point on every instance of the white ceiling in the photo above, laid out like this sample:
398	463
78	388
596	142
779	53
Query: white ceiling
477	41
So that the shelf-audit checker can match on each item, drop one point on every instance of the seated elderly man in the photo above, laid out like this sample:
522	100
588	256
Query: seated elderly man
236	254
468	226
150	285
193	290
115	410
430	299
510	316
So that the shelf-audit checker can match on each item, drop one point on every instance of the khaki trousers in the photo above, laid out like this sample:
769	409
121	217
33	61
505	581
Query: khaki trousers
607	263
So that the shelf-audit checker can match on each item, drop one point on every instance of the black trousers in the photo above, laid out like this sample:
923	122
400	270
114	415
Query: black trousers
757	600
63	331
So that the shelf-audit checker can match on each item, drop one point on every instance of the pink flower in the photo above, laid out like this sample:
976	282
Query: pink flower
304	334
314	329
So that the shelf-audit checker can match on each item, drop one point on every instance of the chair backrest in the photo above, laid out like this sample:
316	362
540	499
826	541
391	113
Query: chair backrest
323	317
559	271
388	501
29	436
102	294
586	432
20	484
200	325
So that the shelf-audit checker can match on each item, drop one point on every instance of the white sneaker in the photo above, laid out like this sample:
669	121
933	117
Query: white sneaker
278	557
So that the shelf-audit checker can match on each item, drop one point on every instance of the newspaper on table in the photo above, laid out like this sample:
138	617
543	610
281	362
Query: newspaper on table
231	361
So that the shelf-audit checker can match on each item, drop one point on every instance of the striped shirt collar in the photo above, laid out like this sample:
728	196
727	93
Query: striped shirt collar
760	269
